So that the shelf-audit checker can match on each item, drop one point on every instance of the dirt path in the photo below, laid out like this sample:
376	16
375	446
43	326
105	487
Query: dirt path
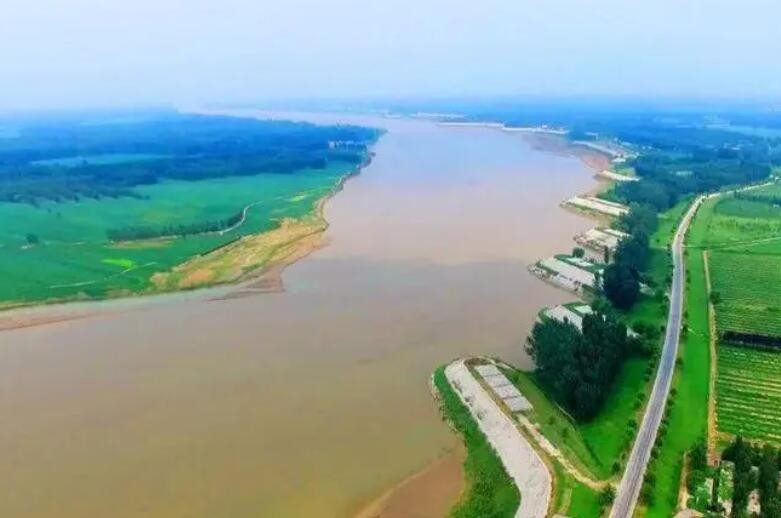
241	221
712	430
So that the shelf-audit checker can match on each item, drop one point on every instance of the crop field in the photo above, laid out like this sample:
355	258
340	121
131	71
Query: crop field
748	391
72	256
734	222
748	286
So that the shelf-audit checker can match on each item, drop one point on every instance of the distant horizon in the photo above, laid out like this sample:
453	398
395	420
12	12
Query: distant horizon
430	104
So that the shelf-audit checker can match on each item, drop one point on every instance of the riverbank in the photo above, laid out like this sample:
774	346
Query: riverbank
261	258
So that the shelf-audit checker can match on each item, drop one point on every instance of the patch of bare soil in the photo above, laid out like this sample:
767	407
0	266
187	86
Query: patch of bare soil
429	493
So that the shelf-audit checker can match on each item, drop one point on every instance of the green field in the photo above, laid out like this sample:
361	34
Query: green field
101	204
73	257
748	286
749	392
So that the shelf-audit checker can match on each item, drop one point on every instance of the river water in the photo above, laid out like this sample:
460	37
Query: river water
309	402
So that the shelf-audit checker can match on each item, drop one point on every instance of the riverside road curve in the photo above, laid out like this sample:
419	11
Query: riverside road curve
629	490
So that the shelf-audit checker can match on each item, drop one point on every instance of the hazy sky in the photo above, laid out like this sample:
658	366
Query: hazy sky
102	52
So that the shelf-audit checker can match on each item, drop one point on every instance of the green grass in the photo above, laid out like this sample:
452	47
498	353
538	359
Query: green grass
729	221
75	260
490	492
608	433
572	498
748	399
557	426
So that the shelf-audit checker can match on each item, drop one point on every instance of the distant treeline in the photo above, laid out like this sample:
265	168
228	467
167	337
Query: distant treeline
181	147
143	232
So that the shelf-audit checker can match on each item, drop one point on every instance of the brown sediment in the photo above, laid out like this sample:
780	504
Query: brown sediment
429	493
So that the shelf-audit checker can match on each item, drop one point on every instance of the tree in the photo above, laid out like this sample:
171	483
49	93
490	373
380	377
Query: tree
634	251
578	252
715	297
580	366
699	455
620	285
607	495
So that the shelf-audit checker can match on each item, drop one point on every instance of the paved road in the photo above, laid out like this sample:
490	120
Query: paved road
629	490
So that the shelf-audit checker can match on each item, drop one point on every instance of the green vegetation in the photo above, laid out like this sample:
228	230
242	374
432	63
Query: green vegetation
572	498
742	232
580	366
699	481
725	487
748	288
202	227
748	467
71	158
749	392
60	245
490	491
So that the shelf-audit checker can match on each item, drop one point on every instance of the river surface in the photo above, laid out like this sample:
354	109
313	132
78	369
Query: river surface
310	402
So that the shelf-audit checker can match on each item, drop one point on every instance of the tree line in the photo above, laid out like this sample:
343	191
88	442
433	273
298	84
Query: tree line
577	366
148	232
176	147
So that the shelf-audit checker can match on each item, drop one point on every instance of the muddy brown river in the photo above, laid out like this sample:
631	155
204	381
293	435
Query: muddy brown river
307	403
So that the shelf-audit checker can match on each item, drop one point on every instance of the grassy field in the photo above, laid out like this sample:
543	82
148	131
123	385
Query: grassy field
74	259
749	392
748	286
490	491
744	236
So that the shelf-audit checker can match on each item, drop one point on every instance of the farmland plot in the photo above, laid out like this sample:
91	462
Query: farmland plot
748	286
748	389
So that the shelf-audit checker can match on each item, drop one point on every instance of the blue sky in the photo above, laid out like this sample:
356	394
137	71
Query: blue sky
106	52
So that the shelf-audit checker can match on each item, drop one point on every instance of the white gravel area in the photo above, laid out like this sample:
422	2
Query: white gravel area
488	370
518	404
497	380
597	205
610	175
506	391
583	309
519	458
569	272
